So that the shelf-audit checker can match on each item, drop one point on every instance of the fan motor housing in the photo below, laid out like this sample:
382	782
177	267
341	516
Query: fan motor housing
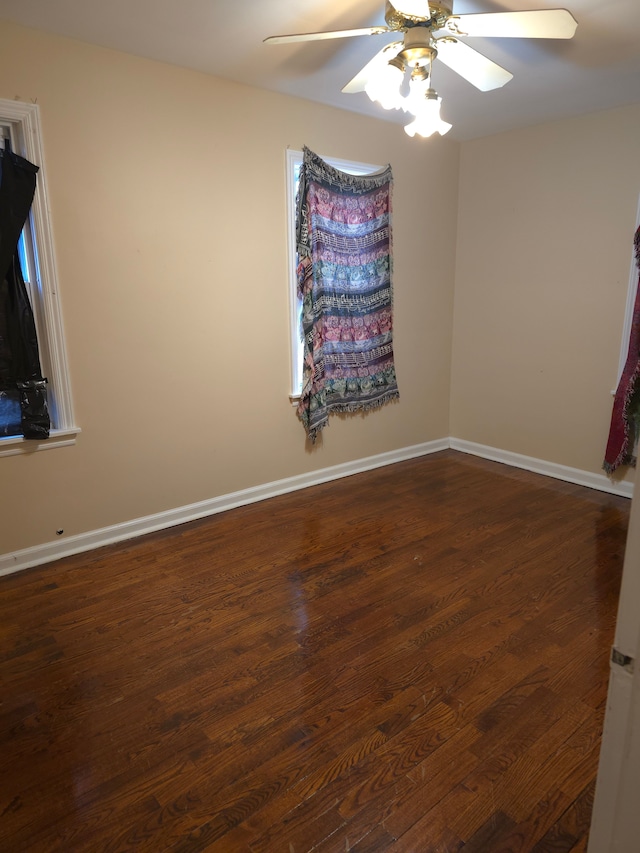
418	49
399	21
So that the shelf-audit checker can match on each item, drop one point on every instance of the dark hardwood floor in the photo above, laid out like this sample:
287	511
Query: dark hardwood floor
412	660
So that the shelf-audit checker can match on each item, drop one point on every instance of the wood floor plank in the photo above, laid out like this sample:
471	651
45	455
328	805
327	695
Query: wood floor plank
572	826
412	659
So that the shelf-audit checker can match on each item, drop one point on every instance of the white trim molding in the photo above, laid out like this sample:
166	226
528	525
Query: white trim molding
550	469
14	445
28	557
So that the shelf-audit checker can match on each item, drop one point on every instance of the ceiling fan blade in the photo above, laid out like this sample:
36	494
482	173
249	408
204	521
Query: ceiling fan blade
473	66
413	8
544	24
381	58
336	34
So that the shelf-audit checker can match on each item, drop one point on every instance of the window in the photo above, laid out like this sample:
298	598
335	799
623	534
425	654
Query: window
294	163
628	312
21	123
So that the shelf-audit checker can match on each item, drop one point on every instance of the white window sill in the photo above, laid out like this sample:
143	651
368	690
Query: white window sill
12	445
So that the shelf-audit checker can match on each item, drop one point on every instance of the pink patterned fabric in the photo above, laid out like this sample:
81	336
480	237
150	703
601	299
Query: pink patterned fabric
344	281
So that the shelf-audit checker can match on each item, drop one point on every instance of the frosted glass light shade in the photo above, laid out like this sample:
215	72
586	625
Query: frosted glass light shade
384	87
428	121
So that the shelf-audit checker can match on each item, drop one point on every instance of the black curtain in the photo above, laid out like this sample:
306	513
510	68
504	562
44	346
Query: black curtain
21	377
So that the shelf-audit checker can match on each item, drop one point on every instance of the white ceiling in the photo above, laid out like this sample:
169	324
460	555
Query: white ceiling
598	69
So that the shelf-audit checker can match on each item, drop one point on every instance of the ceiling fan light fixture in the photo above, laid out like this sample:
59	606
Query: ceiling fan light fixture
384	85
431	32
428	120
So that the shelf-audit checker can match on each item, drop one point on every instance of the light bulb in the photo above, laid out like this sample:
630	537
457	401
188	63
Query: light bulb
384	86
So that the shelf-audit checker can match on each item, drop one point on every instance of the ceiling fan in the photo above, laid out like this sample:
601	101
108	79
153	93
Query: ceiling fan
432	31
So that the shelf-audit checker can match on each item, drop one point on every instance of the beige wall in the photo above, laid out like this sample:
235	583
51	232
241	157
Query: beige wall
167	192
168	200
545	231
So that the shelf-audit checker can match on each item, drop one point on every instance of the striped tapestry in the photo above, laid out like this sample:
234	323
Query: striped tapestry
343	232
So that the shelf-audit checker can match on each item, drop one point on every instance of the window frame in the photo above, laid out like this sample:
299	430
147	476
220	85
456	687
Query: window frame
23	121
629	307
293	163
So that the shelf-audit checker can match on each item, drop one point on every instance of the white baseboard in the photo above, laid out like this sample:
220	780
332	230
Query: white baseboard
55	550
550	469
49	551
